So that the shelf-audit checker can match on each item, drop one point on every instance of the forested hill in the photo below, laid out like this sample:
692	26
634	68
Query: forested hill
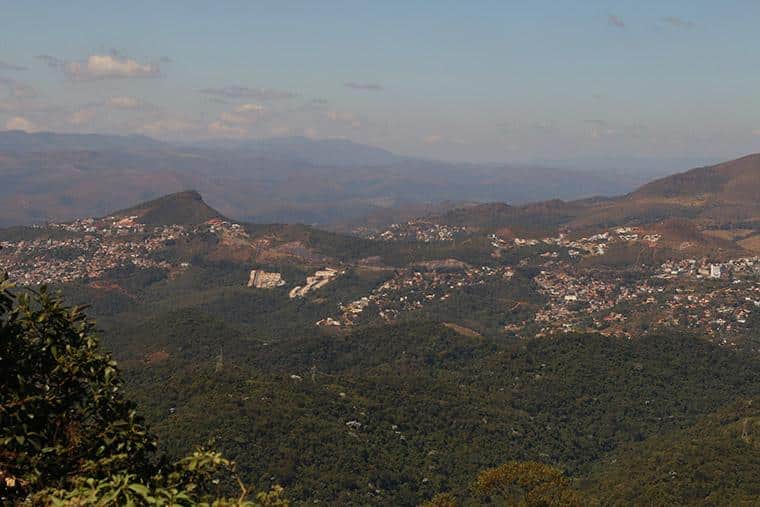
396	414
387	368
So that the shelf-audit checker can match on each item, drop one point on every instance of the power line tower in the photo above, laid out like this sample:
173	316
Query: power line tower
219	362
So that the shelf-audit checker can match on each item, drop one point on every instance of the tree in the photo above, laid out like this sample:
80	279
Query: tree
441	500
528	484
68	435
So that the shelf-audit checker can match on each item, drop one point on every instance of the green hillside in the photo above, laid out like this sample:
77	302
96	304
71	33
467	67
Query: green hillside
713	462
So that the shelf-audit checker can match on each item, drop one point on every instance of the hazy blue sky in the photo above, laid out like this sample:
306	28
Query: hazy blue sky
475	80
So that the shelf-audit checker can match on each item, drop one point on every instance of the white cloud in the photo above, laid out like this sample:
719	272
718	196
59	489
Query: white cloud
280	131
335	115
26	107
344	117
82	117
107	67
51	61
249	108
245	114
168	126
235	119
87	112
439	139
125	102
599	128
678	22
11	66
374	87
219	128
17	89
20	123
244	92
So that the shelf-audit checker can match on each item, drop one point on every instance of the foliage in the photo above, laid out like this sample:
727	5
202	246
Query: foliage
528	484
68	434
713	462
62	412
441	500
184	485
382	414
434	406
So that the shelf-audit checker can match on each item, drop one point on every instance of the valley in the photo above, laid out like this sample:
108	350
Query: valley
533	332
379	254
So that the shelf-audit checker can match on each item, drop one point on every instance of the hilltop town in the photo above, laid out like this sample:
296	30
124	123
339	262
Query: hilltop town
539	285
217	296
88	249
420	230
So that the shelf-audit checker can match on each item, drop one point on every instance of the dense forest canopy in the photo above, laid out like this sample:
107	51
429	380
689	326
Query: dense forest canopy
483	355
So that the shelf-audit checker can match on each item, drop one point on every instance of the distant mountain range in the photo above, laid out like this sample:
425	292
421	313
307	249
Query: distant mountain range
331	183
713	209
16	141
323	152
333	152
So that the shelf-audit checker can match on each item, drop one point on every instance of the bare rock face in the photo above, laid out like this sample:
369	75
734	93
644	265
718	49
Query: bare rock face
265	280
316	281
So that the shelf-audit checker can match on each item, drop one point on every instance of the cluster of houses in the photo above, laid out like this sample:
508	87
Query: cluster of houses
412	289
721	299
579	300
88	250
724	313
716	298
693	268
597	244
422	231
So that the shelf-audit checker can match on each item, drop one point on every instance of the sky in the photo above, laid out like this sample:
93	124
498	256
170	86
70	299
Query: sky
477	81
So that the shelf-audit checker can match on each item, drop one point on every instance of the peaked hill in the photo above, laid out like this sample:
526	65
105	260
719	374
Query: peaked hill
734	181
724	196
182	208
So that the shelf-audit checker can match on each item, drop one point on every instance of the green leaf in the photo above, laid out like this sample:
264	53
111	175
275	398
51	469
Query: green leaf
140	489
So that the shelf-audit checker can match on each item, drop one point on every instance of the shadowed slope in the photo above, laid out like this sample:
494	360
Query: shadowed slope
183	208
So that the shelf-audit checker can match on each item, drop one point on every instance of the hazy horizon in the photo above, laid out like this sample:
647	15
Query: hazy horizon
481	82
648	167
